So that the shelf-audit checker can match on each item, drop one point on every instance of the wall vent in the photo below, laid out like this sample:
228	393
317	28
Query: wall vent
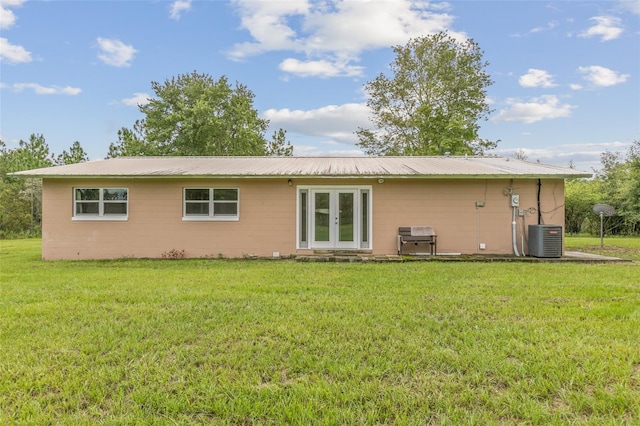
545	240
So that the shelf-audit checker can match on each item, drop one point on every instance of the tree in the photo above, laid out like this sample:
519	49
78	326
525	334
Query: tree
278	146
432	103
131	143
616	183
195	114
620	179
520	154
580	197
21	199
75	155
31	154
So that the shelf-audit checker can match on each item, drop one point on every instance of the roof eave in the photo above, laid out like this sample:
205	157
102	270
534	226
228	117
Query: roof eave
350	176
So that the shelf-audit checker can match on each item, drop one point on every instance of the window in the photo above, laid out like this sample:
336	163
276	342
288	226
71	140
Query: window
100	203
211	204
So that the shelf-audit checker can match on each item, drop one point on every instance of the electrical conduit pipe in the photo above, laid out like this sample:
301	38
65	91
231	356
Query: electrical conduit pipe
513	233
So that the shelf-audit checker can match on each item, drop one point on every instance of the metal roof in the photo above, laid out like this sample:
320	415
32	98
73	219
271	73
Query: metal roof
329	167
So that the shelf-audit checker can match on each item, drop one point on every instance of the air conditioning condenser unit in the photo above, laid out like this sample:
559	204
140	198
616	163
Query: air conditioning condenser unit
545	240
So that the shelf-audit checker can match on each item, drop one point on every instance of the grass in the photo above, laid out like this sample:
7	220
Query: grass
278	342
624	247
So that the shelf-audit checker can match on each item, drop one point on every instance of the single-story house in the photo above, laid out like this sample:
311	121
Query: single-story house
147	207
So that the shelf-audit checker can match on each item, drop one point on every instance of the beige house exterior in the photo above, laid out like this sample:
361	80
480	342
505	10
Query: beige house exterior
233	207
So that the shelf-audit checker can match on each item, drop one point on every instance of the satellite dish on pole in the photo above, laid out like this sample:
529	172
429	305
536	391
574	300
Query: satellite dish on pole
603	210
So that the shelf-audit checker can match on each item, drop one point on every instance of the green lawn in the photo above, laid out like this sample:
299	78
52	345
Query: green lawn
280	342
627	248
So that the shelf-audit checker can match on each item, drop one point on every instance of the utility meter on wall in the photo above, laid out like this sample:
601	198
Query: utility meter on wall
515	200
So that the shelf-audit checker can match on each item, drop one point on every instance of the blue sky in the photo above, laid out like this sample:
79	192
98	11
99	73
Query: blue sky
566	73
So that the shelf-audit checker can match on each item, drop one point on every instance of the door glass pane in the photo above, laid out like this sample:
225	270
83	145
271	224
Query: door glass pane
303	218
321	218
364	219
345	205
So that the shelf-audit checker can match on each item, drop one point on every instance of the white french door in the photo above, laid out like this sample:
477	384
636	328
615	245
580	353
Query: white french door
334	218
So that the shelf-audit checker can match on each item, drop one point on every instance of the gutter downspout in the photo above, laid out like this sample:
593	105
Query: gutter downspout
539	212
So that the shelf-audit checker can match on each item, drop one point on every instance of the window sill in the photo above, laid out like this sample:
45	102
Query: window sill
210	219
100	218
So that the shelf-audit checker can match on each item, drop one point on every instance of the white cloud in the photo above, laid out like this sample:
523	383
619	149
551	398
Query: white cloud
12	53
606	27
319	150
177	7
536	78
333	33
354	26
601	76
548	27
267	24
43	90
632	6
344	153
7	17
585	156
338	122
322	68
115	53
138	98
542	108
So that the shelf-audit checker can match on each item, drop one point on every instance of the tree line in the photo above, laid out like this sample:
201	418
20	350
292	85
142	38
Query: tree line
20	198
617	184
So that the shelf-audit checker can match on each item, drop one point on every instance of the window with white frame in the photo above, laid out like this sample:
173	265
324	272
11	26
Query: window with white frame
100	203
211	204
